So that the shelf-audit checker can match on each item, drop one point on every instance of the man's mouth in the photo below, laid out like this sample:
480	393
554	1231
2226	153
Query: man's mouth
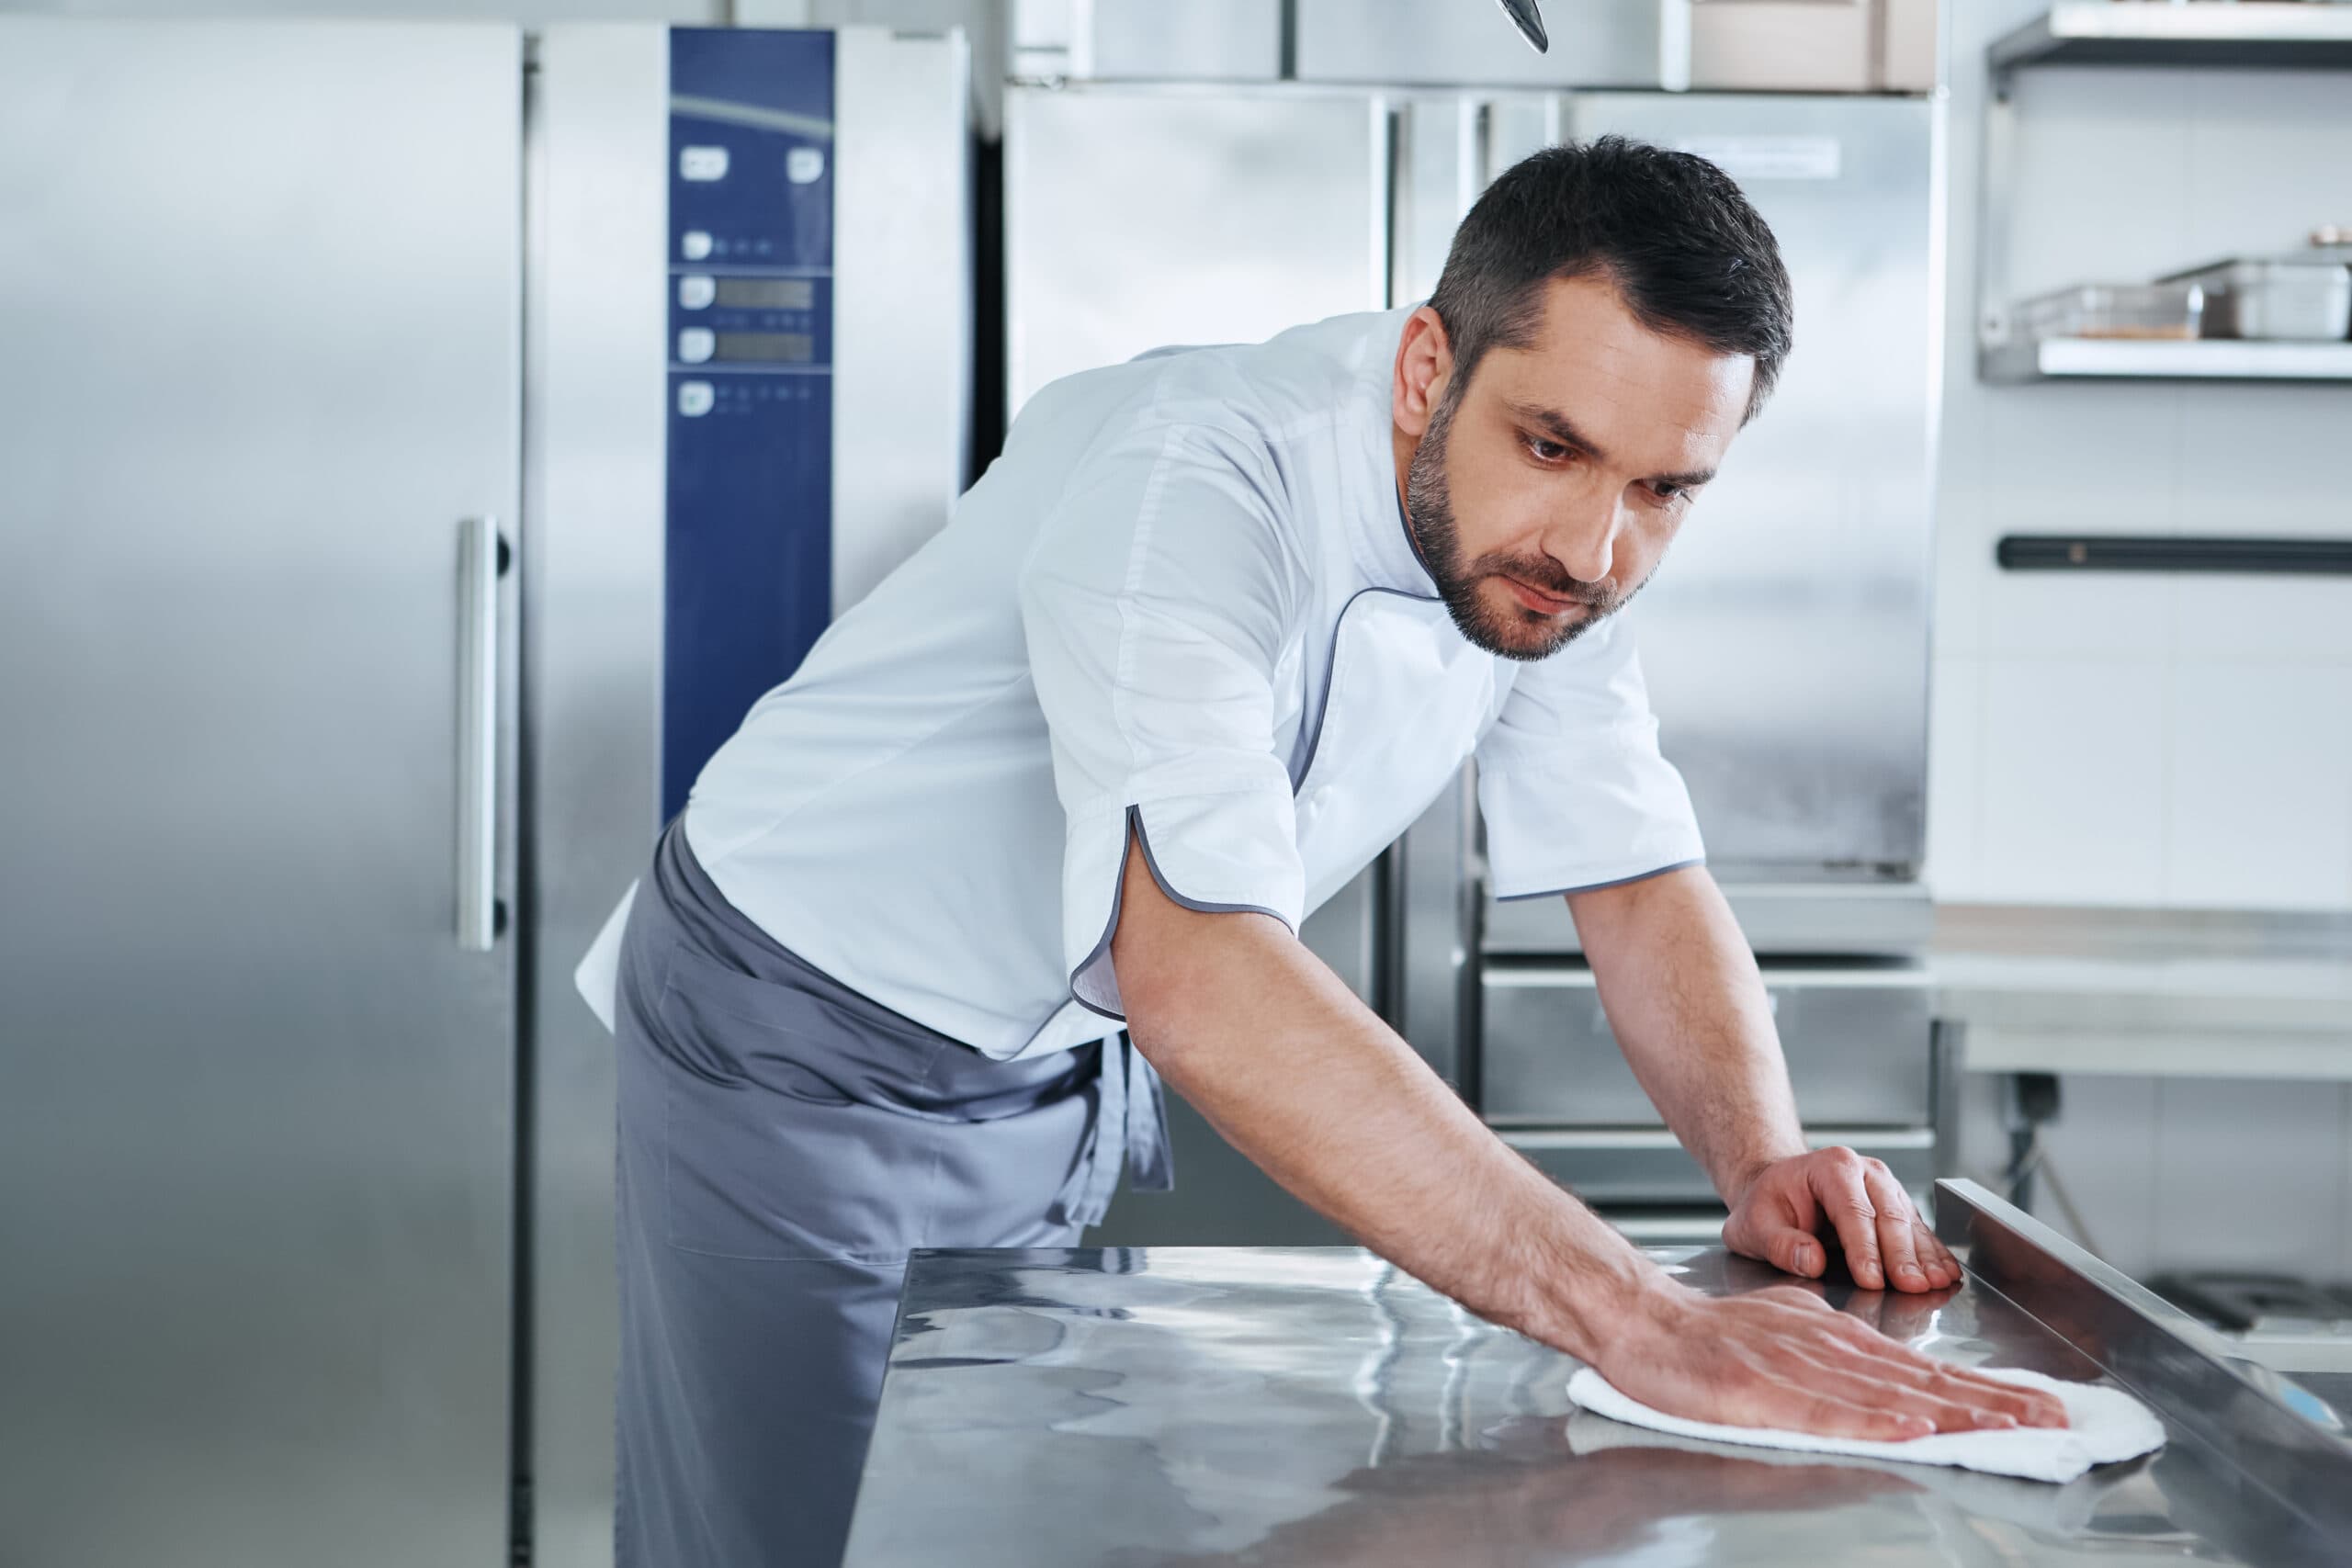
1536	599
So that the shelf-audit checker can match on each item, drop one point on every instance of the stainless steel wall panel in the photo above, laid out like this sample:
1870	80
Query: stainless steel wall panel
1227	40
1439	173
1595	44
1785	636
1856	1041
1138	217
902	297
259	290
597	319
1436	957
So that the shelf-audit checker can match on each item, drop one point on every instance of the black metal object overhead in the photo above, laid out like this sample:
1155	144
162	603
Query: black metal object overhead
1530	22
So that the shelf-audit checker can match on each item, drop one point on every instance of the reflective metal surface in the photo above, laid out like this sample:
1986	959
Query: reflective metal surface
259	355
479	732
902	312
1785	636
2140	992
2294	1464
1140	218
1525	15
1434	903
598	227
1307	1405
1856	1039
1630	1171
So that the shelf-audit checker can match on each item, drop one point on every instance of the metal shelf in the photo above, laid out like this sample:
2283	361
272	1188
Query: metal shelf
2290	33
2189	359
2233	33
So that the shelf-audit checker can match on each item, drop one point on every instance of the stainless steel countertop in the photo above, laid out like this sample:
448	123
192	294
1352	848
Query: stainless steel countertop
1272	1406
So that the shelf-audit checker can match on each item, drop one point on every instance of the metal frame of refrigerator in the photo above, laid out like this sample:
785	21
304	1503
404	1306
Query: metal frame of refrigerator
610	386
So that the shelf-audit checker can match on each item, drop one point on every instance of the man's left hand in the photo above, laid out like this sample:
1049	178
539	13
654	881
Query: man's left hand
1787	1207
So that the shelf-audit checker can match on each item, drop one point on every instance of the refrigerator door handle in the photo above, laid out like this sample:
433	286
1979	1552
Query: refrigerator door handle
479	550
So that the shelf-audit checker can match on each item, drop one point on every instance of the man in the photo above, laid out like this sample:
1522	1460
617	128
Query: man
1213	630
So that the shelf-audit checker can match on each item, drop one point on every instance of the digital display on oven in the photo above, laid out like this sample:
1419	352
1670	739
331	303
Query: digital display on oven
767	293
774	348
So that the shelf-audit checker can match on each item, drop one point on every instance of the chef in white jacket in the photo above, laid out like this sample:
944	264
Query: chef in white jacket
1213	630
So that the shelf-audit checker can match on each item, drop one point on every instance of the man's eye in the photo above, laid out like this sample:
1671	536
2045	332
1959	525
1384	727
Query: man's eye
1669	495
1545	451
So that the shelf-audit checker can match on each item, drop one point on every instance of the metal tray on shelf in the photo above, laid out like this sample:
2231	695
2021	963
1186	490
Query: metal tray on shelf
2274	298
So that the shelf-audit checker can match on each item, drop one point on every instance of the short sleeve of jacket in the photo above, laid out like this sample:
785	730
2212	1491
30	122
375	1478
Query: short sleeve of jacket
1574	790
1156	602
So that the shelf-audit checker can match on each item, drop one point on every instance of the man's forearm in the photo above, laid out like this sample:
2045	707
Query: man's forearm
1689	1010
1307	1082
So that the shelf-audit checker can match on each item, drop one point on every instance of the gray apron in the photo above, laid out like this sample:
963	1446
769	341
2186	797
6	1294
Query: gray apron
785	1143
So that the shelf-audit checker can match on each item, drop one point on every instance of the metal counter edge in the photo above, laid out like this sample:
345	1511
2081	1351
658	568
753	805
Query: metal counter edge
2180	1367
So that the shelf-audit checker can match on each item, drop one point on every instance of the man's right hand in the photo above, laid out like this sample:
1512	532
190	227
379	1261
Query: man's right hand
1782	1357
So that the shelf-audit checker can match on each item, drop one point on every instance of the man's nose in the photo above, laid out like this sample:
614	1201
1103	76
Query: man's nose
1584	541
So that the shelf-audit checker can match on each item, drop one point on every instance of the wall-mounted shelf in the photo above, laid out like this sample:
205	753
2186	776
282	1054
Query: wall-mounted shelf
2286	33
2198	360
2297	34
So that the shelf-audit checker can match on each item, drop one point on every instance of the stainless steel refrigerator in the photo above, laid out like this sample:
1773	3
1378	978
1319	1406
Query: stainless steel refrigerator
1785	638
412	438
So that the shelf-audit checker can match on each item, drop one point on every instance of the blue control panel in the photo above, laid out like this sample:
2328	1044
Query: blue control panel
751	412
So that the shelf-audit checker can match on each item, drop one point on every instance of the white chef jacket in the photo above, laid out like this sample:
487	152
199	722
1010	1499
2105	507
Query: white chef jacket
1183	600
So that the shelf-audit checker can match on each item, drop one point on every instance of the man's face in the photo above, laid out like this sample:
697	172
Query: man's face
1543	492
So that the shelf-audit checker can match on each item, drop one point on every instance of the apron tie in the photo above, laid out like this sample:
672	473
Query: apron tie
1130	1128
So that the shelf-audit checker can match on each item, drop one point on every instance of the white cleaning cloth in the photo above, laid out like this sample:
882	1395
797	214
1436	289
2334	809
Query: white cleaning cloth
2065	1511
2108	1424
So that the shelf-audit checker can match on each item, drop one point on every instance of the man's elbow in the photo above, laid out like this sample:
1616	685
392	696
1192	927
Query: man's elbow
1179	970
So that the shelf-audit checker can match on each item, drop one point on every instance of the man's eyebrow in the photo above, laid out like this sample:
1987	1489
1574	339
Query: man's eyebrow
1560	428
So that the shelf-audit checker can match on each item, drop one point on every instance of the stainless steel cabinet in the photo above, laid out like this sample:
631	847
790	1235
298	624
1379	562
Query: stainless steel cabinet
1646	1184
1855	1040
1138	217
1785	636
259	361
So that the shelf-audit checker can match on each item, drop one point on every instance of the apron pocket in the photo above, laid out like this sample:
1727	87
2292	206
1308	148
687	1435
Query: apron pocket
788	1041
773	1150
753	1174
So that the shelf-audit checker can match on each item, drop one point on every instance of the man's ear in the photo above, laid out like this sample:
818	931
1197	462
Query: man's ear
1424	365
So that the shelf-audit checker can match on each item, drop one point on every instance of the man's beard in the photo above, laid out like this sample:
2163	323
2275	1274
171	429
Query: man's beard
1511	633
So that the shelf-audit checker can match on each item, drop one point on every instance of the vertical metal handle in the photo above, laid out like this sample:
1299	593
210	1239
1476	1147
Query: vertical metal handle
477	733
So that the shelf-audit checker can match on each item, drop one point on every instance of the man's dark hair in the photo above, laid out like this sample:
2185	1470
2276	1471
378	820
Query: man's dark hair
1689	255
